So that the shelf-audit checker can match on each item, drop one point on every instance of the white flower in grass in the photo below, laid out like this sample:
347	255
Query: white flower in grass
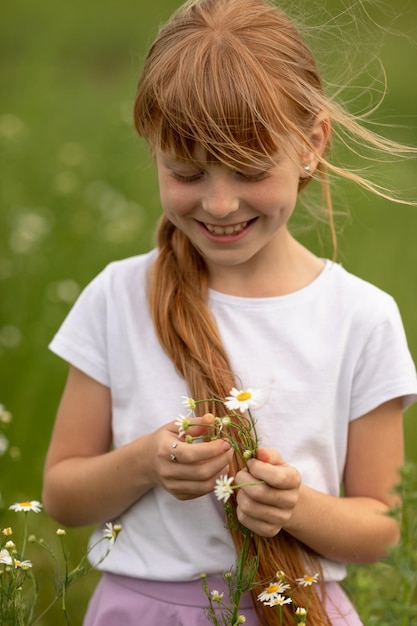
25	565
243	399
241	619
189	404
223	489
307	581
111	531
183	424
5	557
272	591
29	505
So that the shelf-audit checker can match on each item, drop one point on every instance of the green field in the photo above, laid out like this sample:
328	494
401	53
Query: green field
77	190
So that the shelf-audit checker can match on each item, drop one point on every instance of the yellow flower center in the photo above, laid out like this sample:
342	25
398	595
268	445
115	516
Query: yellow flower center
25	503
244	395
272	588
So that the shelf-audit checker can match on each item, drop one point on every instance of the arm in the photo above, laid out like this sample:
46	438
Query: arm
355	528
86	482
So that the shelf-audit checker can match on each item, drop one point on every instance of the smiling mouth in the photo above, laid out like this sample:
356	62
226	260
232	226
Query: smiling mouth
227	230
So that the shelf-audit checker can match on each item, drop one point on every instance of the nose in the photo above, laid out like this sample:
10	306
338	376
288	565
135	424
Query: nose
220	199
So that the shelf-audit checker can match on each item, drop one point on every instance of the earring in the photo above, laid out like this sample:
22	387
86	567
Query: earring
307	169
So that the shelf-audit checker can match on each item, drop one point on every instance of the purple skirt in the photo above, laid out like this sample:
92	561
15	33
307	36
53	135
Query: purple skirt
124	601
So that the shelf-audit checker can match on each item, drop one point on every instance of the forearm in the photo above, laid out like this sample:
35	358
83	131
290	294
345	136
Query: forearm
352	530
87	490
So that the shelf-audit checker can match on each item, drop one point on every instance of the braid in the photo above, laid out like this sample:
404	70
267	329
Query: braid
190	337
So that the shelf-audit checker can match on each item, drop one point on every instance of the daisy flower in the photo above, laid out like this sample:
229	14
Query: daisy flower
301	611
272	591
183	424
278	600
5	557
111	531
189	404
23	564
307	581
223	489
216	596
242	399
29	505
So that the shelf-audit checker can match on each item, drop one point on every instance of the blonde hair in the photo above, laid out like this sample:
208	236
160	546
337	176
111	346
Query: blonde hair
236	78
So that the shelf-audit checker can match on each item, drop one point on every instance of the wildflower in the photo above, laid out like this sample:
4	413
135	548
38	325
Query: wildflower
241	619
183	424
307	581
5	557
216	596
10	545
272	591
226	421
30	505
189	404
111	531
301	611
242	399
7	532
223	489
278	600
61	532
25	565
248	454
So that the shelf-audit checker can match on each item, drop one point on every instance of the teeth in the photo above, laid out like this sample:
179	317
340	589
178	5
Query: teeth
226	230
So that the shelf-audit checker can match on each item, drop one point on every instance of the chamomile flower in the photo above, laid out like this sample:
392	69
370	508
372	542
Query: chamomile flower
111	531
189	404
243	399
29	505
272	591
223	489
25	565
301	611
183	424
5	557
216	596
307	581
278	601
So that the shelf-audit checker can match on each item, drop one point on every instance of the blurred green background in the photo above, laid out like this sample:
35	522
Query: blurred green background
77	190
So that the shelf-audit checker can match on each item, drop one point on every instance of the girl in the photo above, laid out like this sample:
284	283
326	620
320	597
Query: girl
232	106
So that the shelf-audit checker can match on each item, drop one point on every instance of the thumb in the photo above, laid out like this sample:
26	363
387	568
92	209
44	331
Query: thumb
270	455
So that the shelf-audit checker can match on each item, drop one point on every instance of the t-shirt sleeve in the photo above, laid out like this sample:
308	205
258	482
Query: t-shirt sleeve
385	369
82	338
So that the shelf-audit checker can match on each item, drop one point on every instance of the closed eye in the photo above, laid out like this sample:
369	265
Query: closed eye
253	178
186	178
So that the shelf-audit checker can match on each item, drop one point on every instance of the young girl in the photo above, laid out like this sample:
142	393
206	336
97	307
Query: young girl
233	109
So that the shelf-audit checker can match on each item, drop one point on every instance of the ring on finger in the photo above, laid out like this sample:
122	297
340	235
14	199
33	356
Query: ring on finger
173	458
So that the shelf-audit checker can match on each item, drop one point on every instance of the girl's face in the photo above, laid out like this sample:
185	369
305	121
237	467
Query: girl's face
231	216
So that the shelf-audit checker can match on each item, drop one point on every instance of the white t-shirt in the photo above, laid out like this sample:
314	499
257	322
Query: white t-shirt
323	355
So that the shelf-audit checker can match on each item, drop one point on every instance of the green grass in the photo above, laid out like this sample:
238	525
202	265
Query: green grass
77	190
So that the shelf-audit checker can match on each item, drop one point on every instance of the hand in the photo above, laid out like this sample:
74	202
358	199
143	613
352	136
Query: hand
196	467
265	508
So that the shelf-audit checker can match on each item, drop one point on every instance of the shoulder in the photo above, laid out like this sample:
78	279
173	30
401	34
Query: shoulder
124	269
356	294
123	276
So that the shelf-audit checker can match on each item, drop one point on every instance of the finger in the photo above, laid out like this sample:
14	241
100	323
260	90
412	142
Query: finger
200	453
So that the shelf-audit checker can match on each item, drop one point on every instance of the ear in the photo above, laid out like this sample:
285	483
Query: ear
318	137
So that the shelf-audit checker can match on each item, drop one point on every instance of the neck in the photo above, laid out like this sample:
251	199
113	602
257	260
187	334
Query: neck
268	276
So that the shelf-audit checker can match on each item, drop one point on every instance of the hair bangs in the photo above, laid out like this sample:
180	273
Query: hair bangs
212	94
